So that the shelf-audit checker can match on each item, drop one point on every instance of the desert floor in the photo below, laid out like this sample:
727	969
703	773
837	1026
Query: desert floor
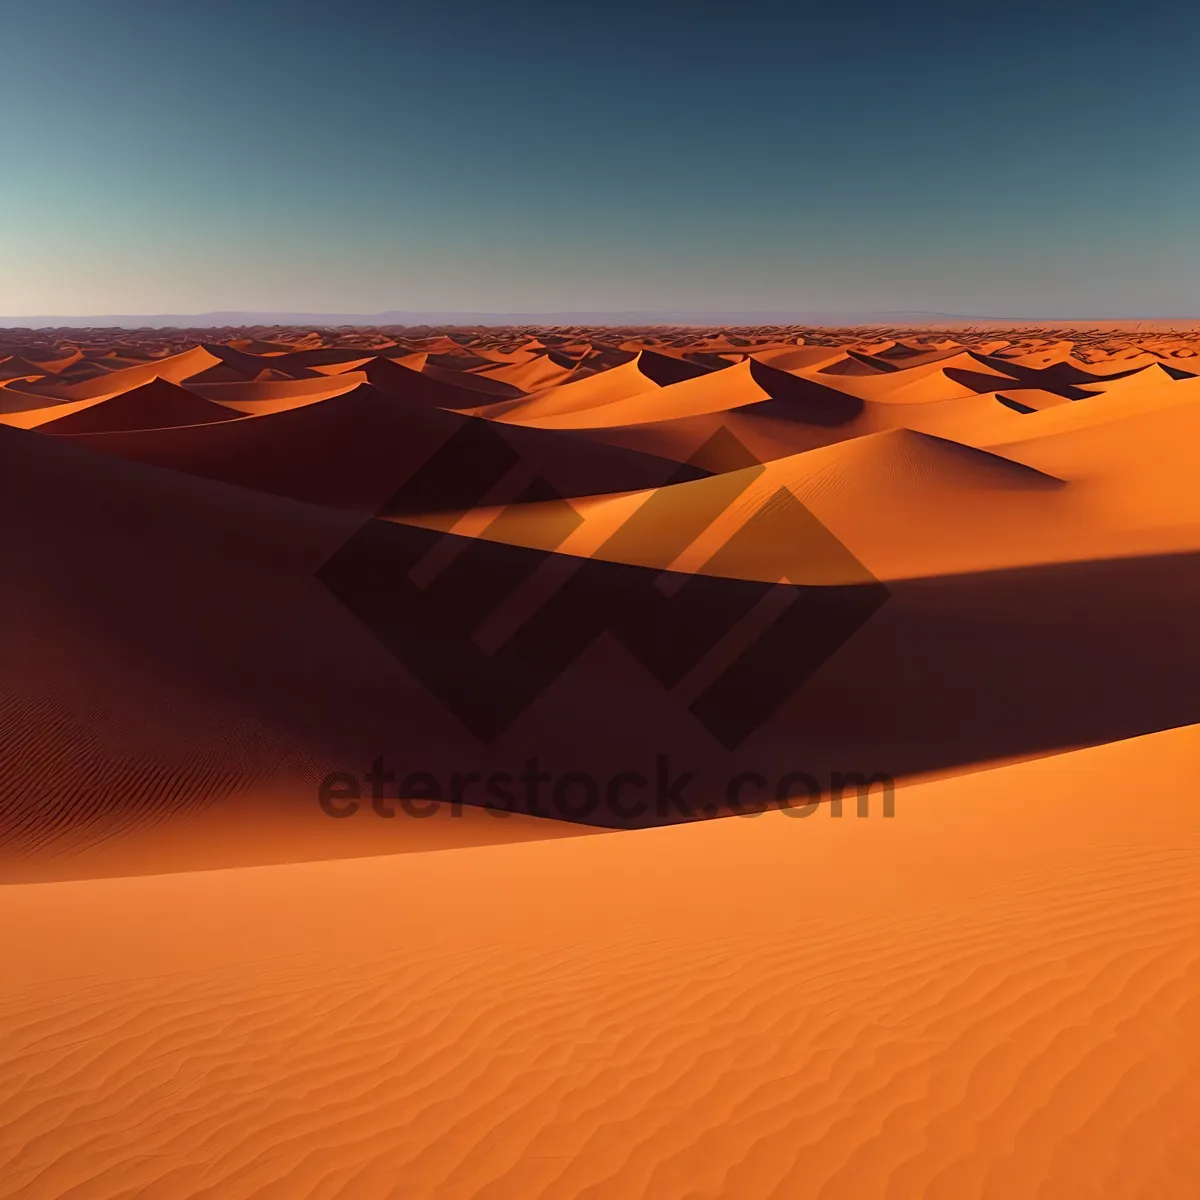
242	562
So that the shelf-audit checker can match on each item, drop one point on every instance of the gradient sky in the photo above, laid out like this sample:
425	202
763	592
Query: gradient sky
1015	159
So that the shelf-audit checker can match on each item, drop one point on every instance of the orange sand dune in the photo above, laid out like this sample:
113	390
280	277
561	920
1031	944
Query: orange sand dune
798	358
259	346
535	374
911	503
174	370
944	377
341	366
1152	375
1152	489
645	372
721	391
16	366
906	504
14	401
463	378
857	362
407	379
52	361
1043	356
604	387
154	405
228	360
919	601
271	549
991	994
458	357
355	448
276	393
415	361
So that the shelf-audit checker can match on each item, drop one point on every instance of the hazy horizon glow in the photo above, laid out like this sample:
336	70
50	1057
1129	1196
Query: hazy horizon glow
257	157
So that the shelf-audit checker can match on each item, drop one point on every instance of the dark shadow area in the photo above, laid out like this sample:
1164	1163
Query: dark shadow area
1015	405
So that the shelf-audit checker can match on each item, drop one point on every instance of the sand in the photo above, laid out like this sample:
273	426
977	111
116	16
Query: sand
987	987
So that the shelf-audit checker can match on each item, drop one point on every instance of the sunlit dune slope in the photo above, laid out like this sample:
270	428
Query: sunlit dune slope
270	393
909	504
991	994
174	369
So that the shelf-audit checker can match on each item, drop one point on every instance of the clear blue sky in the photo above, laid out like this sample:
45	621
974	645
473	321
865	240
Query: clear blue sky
1010	159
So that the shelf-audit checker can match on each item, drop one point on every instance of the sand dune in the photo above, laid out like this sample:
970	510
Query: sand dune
357	448
18	366
906	503
407	379
485	388
276	393
243	563
746	383
798	358
536	373
597	390
645	372
978	998
945	377
174	369
154	405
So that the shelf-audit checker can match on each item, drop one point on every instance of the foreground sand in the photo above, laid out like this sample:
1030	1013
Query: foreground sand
996	993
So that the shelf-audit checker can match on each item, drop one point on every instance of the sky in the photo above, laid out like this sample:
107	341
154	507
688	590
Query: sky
1009	160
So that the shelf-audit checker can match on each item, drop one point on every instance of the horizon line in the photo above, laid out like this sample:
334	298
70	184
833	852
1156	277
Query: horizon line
248	318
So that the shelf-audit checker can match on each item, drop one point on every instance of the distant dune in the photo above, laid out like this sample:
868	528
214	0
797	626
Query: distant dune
334	658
